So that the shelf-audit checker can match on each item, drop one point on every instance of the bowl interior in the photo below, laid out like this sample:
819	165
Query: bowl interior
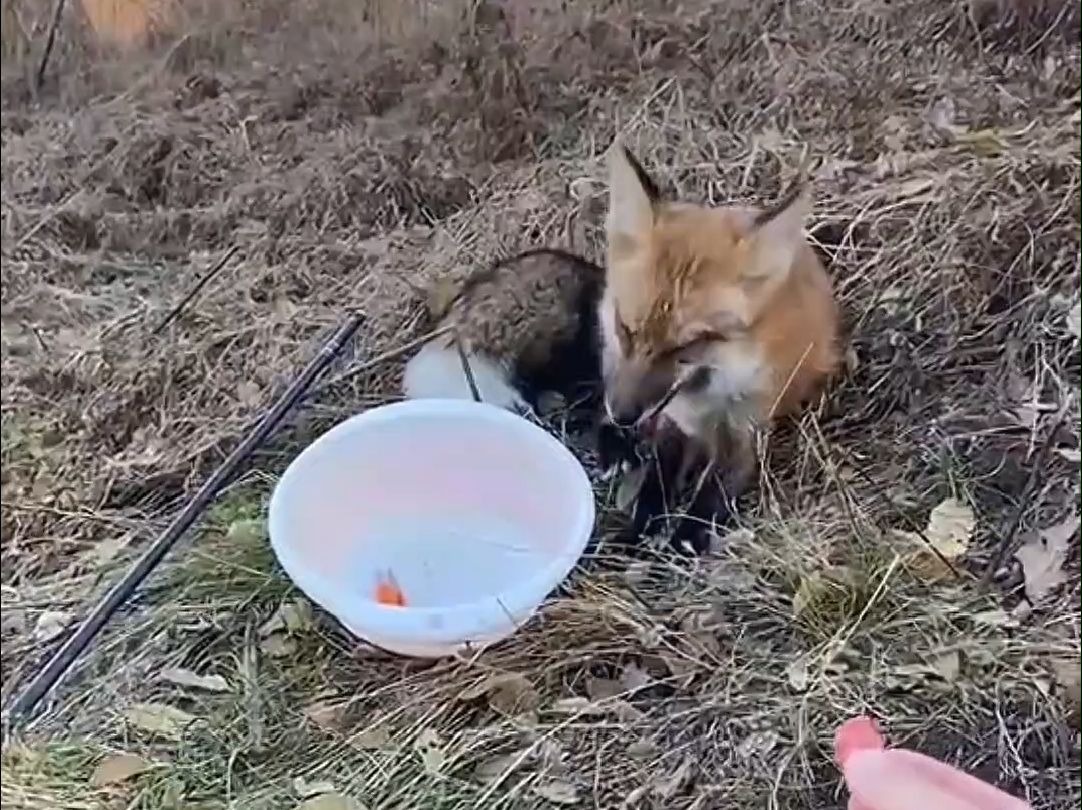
458	501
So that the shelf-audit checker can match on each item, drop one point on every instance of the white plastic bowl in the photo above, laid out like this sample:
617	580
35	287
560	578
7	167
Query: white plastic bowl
478	513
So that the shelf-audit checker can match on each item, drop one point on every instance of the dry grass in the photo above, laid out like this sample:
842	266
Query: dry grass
345	167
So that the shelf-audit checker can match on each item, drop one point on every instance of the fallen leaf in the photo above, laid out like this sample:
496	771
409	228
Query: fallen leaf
428	738
1060	535
1042	559
50	625
635	797
893	130
185	677
1070	454
551	755
1073	320
331	801
278	646
118	768
947	666
634	678
757	744
160	719
628	491
684	670
806	594
576	705
12	620
1068	675
428	745
305	789
914	187
246	531
997	617
433	760
985	142
508	693
371	739
949	530
514	696
601	688
106	550
249	393
641	749
770	139
557	792
666	788
1022	611
292	616
327	716
797	674
495	768
941	117
624	711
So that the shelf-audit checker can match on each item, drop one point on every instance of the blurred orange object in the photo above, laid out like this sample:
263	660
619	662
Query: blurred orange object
879	778
126	23
388	592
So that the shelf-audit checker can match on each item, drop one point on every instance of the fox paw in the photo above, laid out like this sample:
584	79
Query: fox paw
616	448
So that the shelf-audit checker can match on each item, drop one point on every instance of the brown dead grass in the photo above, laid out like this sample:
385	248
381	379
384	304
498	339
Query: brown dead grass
346	166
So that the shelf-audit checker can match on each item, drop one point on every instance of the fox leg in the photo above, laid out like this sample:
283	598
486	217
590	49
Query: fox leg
714	477
616	448
658	493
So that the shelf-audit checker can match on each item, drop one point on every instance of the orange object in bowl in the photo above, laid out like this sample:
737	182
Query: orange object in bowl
388	592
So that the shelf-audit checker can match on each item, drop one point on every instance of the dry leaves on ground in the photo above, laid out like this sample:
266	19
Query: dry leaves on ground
331	801
429	745
119	768
1042	559
159	719
292	617
950	528
508	693
306	790
558	792
50	625
193	680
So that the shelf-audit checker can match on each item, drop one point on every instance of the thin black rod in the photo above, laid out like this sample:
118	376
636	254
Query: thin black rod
50	41
63	659
200	283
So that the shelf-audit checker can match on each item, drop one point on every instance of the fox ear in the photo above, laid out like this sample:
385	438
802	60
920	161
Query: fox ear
632	195
776	236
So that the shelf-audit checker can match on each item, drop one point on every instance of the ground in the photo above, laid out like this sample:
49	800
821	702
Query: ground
339	160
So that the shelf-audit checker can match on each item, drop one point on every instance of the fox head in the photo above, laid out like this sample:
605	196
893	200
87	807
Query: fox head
685	284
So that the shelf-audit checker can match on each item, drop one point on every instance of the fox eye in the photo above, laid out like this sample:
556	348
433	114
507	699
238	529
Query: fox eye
698	342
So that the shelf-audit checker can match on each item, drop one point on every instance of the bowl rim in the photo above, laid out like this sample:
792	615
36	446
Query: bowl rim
324	591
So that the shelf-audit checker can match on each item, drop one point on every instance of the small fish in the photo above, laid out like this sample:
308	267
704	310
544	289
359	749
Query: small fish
388	592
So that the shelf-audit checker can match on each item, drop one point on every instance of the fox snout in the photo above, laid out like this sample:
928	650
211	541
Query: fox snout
632	389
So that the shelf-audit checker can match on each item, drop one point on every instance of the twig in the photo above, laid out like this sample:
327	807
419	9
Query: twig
50	41
674	389
174	313
1027	491
470	381
65	657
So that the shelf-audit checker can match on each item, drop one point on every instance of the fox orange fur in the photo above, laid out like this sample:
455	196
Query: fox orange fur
714	321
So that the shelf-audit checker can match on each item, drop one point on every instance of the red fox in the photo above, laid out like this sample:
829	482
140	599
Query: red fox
527	324
714	321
